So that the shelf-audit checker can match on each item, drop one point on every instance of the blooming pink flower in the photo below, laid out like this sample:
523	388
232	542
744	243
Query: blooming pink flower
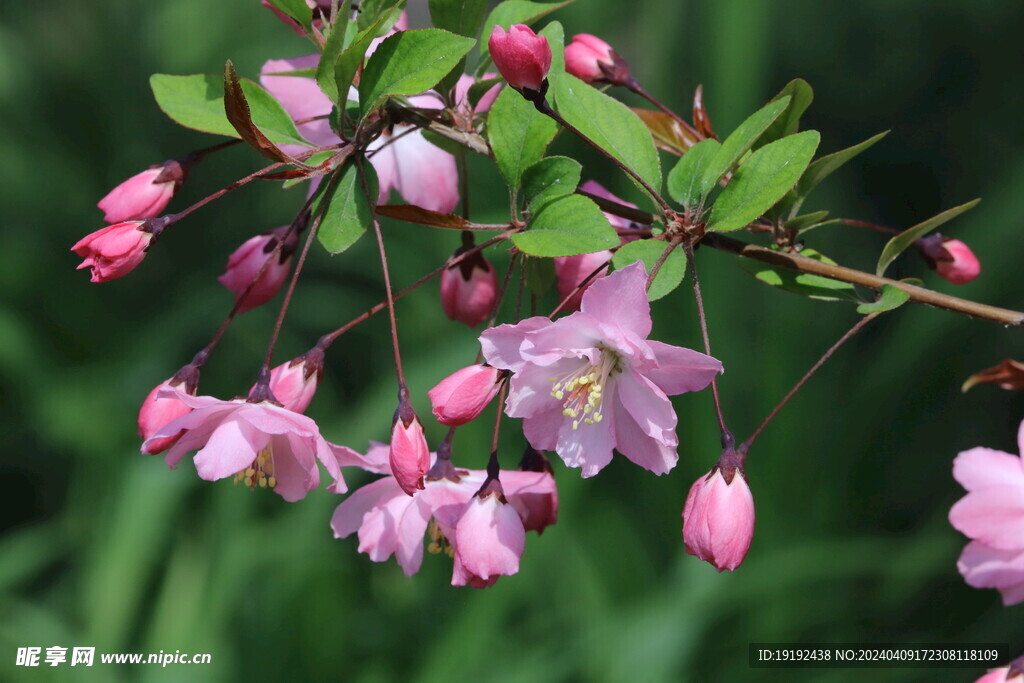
952	259
460	397
115	250
294	383
157	411
522	56
469	290
489	541
246	261
585	55
718	518
410	456
592	382
260	444
141	196
389	522
992	515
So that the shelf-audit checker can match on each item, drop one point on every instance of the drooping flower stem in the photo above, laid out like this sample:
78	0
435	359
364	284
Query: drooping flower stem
727	438
497	428
501	290
745	446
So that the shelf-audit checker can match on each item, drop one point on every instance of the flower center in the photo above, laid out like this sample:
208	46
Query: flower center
260	473
582	390
438	543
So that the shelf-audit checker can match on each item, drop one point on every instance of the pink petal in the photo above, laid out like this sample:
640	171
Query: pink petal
648	406
542	429
588	447
490	538
680	370
994	516
301	97
502	345
980	468
426	175
231	448
984	567
349	515
644	450
294	468
530	388
621	299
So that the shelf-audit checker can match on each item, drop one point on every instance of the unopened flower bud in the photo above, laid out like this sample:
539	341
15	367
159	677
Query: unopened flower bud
592	60
952	259
469	290
144	195
409	456
718	518
489	540
1014	673
460	397
115	250
157	411
294	383
522	56
248	259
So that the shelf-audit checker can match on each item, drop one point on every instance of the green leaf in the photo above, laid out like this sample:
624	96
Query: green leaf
890	298
333	48
898	244
297	10
197	102
372	10
767	175
685	179
348	214
236	108
740	141
556	40
550	178
464	17
516	12
540	274
518	134
807	221
567	226
610	124
347	63
804	284
409	63
823	168
649	251
800	97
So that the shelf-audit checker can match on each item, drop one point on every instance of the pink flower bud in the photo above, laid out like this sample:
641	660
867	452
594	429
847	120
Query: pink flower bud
489	540
144	195
156	412
409	455
469	290
522	57
294	383
952	259
585	55
460	397
718	518
115	250
570	271
246	262
1010	674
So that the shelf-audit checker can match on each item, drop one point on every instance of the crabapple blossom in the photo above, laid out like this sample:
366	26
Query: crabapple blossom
260	444
522	56
592	382
460	397
992	516
246	261
114	251
718	517
489	539
144	195
157	411
409	456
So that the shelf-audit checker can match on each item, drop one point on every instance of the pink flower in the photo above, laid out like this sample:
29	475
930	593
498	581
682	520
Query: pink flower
409	456
389	522
143	195
469	290
246	261
260	444
718	518
422	173
591	382
585	55
294	383
460	397
951	259
522	57
992	515
156	412
115	250
1014	673
489	540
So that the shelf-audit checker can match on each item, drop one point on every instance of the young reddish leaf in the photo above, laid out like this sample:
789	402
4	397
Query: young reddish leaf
414	214
669	135
1008	375
237	110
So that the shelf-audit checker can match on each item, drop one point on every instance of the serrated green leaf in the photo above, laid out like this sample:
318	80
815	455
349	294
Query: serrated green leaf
348	214
550	178
297	10
889	298
610	124
515	12
518	134
409	63
804	284
898	244
347	63
333	47
685	180
567	226
372	10
540	274
766	176
649	251
740	141
800	97
197	102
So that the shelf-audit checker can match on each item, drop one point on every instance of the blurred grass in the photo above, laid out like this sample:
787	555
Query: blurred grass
105	547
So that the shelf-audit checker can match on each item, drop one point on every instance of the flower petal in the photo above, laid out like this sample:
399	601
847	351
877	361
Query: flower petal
502	345
648	405
980	468
621	298
231	448
634	443
680	370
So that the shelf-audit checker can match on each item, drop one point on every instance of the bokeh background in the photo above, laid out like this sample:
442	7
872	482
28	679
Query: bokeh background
102	546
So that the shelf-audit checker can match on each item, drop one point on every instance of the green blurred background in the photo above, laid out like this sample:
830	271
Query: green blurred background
105	547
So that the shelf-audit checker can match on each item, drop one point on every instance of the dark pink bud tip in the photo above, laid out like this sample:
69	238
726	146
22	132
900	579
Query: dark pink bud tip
522	57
